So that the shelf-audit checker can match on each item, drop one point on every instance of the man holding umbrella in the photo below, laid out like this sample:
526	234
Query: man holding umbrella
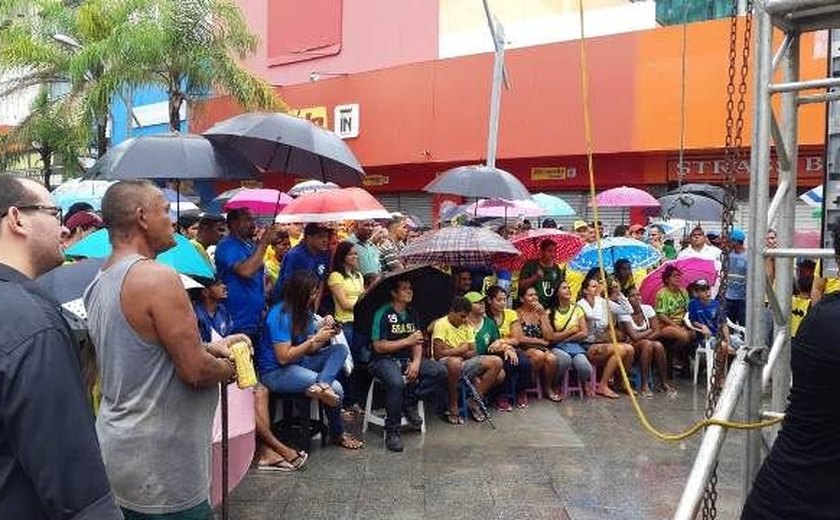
398	361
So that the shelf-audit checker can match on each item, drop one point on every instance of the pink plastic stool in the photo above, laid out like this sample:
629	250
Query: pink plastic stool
593	381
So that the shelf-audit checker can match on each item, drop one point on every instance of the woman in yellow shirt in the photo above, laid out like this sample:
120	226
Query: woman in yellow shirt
346	285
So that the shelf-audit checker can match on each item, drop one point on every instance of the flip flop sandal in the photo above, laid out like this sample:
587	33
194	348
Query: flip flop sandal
329	397
476	413
555	398
282	466
453	419
300	460
348	442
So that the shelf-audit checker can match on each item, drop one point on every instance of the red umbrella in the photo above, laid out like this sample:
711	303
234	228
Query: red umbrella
528	243
692	270
333	206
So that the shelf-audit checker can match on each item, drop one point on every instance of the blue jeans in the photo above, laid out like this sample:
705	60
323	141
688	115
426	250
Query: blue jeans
431	382
578	361
321	367
518	377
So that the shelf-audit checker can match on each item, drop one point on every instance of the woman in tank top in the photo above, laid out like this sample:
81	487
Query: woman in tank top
642	330
530	332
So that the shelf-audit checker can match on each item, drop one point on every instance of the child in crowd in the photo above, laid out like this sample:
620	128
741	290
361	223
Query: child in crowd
703	312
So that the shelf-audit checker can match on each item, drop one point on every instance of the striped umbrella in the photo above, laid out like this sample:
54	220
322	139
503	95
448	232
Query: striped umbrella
459	245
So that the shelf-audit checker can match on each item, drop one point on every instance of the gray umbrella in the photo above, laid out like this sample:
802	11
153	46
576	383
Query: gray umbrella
690	206
170	156
282	143
706	190
479	181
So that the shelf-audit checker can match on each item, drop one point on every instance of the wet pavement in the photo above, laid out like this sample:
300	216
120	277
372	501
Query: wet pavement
577	460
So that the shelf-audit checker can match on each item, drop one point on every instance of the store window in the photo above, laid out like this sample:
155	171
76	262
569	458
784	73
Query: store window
673	12
301	31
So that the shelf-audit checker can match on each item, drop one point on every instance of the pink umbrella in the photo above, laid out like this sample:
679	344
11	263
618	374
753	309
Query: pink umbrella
333	206
626	197
505	208
692	270
260	201
241	427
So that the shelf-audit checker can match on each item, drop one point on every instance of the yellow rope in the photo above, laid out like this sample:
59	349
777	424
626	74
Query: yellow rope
665	436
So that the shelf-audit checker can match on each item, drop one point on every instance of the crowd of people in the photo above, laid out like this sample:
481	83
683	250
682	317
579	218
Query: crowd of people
291	292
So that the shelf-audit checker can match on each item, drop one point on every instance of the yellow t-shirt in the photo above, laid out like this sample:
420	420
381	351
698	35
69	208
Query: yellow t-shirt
509	317
353	287
272	266
451	335
202	251
567	320
798	309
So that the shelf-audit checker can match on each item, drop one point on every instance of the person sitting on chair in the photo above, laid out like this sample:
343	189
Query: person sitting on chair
295	357
453	344
399	364
703	313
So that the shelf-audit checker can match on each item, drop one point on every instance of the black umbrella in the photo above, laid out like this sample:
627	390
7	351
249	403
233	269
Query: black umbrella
432	296
68	282
706	190
691	207
170	156
282	143
479	181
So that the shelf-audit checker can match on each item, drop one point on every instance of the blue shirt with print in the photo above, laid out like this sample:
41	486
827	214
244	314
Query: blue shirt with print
278	329
705	313
246	295
299	258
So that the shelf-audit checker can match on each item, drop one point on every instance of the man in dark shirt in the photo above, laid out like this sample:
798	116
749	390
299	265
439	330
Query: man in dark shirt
312	254
50	463
398	362
543	274
800	478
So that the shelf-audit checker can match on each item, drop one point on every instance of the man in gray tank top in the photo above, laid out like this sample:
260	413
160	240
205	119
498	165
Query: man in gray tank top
159	382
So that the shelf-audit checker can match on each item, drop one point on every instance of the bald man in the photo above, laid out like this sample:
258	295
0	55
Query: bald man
50	464
159	381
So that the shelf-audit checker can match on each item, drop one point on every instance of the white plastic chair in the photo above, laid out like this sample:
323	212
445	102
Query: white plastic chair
378	419
706	350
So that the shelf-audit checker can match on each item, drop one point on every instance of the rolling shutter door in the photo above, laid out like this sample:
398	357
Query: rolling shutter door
417	204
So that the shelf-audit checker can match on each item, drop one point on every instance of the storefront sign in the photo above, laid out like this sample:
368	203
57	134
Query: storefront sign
559	173
318	115
346	119
375	180
714	169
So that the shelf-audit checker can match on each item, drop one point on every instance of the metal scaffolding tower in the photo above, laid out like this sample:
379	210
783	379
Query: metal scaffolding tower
763	366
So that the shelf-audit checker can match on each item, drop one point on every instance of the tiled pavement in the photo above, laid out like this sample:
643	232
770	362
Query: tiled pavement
578	460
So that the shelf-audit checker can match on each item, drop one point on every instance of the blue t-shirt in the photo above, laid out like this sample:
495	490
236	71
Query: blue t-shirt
220	321
278	329
736	283
705	313
246	297
299	258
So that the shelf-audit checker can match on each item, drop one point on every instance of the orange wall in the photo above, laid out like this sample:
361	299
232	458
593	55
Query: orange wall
436	111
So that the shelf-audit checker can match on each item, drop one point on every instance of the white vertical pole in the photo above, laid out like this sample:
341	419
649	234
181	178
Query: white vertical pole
496	94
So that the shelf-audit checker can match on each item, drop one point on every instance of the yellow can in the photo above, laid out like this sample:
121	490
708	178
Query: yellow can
246	377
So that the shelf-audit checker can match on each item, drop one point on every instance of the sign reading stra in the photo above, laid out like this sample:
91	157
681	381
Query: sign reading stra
713	169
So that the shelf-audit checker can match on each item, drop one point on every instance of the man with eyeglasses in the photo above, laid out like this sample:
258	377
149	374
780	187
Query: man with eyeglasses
50	462
699	247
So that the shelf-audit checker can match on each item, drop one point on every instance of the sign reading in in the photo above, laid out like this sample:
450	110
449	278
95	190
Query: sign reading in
559	173
346	119
714	168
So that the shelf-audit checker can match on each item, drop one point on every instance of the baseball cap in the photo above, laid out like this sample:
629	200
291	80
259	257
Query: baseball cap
474	297
702	283
84	219
737	235
636	227
580	224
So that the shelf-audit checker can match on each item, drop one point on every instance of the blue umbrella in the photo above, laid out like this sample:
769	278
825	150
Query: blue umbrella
184	257
640	254
77	190
553	206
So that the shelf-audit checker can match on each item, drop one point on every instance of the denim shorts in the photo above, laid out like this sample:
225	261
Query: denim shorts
471	367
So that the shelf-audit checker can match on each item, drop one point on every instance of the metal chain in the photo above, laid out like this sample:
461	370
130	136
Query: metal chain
733	156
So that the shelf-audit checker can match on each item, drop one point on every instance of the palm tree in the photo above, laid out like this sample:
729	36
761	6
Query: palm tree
192	48
47	130
65	43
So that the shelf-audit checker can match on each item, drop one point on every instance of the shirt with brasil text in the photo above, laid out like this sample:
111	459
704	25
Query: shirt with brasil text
391	325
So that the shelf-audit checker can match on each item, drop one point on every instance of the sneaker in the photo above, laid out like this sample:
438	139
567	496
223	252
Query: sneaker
413	417
393	441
